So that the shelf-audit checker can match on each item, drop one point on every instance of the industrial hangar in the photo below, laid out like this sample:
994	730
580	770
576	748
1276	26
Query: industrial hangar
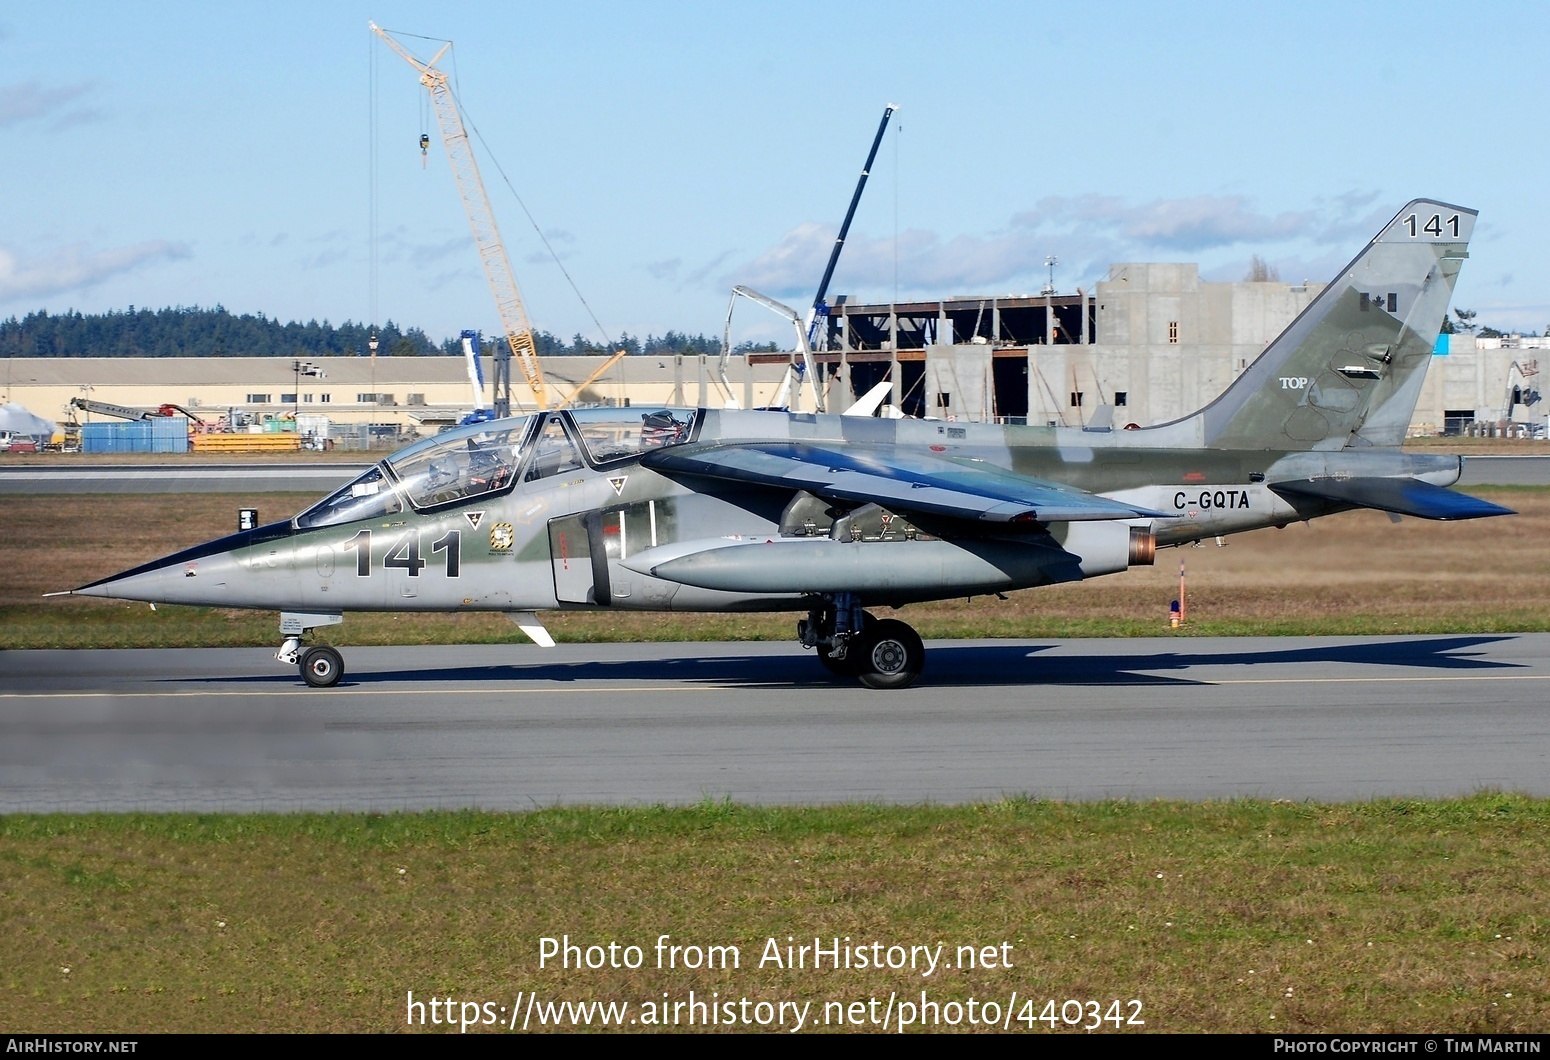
1153	341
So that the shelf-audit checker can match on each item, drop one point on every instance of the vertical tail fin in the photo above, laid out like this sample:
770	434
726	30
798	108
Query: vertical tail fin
1349	369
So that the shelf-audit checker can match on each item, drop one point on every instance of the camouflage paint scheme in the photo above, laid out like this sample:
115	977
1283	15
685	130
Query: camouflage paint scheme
726	510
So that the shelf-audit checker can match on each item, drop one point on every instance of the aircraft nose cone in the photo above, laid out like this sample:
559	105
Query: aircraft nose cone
172	580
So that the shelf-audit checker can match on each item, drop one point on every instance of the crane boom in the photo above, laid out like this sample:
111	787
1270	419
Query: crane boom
487	237
820	310
103	408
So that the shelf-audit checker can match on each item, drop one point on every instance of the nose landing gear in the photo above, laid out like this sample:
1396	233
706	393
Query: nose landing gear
320	665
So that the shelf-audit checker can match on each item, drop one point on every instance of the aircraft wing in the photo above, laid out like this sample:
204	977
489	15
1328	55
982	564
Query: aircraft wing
1402	496
901	481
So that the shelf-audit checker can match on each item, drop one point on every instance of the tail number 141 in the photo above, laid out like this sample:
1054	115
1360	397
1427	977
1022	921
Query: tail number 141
1432	226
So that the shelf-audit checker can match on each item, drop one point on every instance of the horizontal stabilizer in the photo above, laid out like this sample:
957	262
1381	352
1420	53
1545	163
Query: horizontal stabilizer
1402	496
897	480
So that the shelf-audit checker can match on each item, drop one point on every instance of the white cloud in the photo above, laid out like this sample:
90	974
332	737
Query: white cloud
1189	224
423	255
926	262
1087	233
75	267
699	275
451	276
796	259
323	259
29	99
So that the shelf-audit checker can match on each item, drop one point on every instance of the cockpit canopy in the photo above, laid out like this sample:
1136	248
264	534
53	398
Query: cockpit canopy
461	464
486	458
455	466
618	434
369	496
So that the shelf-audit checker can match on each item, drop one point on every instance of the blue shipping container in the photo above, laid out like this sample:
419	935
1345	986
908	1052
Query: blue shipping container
165	434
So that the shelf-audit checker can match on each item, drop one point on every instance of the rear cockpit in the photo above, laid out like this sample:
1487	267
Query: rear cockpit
611	434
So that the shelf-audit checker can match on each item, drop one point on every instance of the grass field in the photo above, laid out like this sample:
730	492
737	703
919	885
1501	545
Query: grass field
1347	574
1242	916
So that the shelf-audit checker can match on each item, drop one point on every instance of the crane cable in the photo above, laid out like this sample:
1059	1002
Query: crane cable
490	154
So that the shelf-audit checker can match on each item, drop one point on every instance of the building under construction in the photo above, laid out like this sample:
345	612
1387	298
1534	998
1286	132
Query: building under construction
1153	340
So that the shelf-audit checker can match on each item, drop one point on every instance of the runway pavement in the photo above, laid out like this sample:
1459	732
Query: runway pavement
1506	471
300	477
516	727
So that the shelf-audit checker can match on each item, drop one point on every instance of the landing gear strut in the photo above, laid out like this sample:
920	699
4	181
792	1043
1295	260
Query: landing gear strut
882	653
320	666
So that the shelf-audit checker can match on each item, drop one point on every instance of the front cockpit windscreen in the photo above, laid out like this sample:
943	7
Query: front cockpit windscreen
616	434
461	464
367	497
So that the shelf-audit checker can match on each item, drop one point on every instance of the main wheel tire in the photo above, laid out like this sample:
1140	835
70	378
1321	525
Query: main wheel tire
321	667
888	654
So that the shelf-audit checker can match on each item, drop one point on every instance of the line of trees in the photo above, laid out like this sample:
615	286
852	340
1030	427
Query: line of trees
671	342
189	331
1462	322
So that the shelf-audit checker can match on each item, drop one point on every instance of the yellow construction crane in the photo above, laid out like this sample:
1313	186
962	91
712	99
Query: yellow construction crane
487	237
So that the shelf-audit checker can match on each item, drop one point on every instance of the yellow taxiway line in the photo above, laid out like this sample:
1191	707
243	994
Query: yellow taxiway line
637	689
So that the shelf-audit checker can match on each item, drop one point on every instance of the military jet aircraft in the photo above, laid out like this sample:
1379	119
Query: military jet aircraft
658	509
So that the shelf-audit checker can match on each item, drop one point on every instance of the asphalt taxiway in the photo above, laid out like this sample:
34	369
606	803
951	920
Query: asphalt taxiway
516	727
301	477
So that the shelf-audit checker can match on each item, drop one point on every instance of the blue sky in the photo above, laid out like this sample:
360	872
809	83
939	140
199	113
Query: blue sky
196	153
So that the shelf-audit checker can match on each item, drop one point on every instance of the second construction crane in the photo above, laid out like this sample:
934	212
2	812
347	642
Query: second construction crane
487	237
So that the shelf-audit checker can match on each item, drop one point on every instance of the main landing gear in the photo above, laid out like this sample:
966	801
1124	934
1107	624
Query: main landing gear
320	665
880	653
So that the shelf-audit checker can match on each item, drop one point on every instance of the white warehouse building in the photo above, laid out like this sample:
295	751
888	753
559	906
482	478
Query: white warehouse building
1154	341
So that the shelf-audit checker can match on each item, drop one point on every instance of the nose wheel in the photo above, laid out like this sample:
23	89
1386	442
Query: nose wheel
321	667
